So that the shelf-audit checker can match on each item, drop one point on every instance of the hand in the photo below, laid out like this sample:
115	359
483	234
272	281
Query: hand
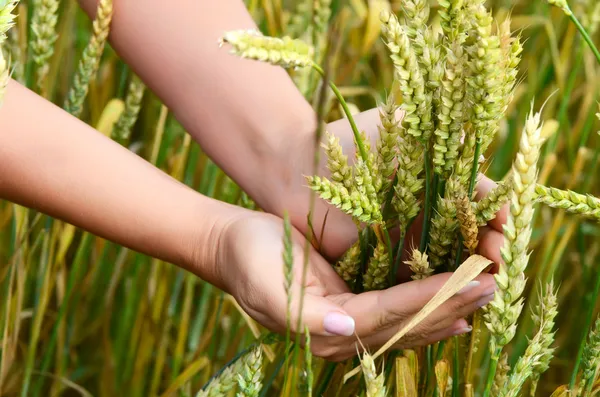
250	252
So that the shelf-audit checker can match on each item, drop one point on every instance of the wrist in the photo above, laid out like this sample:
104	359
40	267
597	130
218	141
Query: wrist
208	230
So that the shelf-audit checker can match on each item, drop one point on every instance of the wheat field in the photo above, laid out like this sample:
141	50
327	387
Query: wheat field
514	83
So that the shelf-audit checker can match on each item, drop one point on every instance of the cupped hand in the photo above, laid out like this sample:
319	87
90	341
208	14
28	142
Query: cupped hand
250	252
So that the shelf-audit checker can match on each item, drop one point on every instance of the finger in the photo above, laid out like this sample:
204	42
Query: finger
459	306
490	242
380	310
484	186
459	327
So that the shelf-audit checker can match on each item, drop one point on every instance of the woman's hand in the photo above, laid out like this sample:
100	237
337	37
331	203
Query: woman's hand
250	258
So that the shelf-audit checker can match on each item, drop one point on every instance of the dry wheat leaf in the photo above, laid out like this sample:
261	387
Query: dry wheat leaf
465	273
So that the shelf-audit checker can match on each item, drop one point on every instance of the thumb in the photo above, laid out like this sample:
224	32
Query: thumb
324	317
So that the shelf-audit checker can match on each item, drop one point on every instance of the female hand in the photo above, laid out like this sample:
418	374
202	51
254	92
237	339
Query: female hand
250	259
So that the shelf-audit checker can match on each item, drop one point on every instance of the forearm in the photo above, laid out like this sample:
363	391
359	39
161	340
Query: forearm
60	166
244	114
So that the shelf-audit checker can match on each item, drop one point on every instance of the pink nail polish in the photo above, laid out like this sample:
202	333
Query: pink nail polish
463	330
469	287
485	300
337	323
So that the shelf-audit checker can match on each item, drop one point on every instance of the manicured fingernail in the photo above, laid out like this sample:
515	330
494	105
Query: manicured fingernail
469	287
485	300
489	290
463	330
338	324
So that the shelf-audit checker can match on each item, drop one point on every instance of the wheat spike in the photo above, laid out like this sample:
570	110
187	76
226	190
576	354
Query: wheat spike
539	352
574	203
285	52
355	204
133	105
503	311
590	362
467	222
501	375
416	15
452	110
43	27
14	53
417	102
487	208
90	60
349	266
442	234
250	376
225	381
562	4
378	269
375	382
419	265
387	144
7	17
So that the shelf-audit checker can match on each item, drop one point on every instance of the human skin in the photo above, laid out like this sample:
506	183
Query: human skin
269	147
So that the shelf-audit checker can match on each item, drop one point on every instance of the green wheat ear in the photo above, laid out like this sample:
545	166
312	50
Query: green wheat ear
90	61
43	27
133	105
286	52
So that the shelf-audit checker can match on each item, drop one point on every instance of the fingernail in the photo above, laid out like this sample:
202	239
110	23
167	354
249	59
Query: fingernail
489	290
469	287
465	330
338	324
485	300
